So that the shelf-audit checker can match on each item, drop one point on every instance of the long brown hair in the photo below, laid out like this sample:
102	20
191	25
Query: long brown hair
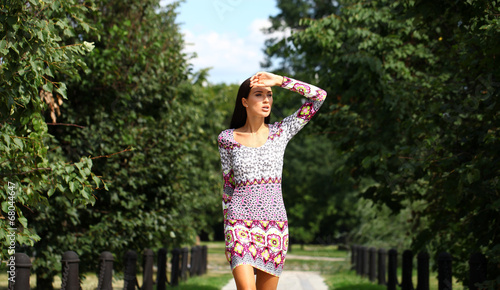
240	112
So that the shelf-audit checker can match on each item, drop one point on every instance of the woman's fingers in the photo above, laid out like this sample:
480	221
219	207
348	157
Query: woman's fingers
260	79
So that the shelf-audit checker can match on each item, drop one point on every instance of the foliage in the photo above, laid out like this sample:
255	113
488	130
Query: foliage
143	121
381	228
32	54
151	133
320	208
414	108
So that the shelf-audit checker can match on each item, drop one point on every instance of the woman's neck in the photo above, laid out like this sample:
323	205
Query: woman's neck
254	125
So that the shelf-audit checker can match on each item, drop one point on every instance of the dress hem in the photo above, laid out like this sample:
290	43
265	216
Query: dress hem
255	267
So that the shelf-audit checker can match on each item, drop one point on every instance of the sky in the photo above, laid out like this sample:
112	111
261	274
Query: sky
226	35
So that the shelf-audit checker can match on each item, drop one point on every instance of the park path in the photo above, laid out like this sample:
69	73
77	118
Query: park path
293	280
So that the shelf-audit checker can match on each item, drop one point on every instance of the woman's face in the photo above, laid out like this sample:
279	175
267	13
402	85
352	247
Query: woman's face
259	102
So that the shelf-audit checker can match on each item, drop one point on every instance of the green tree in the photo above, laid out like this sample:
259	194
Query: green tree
415	108
138	99
33	54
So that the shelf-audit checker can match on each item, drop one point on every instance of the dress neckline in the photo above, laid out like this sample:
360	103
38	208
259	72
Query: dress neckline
268	137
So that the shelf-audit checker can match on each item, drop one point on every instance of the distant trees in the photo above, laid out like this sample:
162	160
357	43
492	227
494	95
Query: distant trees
413	109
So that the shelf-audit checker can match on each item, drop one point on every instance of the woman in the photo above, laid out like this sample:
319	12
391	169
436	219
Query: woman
255	221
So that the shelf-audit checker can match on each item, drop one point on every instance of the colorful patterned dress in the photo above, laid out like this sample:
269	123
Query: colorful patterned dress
255	220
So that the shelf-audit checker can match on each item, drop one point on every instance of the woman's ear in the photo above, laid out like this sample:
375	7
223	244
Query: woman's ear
244	102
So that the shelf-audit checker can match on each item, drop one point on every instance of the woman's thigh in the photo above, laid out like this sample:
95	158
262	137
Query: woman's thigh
244	277
266	281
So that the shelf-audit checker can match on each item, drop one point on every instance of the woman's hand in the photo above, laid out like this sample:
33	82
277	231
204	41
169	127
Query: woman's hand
265	79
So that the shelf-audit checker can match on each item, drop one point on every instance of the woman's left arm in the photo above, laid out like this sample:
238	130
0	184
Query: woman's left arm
307	90
303	115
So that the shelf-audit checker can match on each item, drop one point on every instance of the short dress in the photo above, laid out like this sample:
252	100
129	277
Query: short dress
255	220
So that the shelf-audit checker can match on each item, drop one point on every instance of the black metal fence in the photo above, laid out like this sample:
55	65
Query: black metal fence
379	264
183	264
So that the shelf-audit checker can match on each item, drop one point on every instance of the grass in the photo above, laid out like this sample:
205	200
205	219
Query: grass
348	280
330	251
210	281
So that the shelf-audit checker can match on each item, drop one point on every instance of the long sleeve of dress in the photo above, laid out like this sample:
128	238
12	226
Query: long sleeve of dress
315	98
227	170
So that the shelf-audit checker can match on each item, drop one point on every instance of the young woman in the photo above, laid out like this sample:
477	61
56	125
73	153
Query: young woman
255	221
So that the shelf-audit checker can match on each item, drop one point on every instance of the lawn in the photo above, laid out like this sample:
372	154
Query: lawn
330	251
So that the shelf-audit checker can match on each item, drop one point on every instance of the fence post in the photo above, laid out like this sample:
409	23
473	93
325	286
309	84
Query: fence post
354	256
105	271
444	271
174	279
382	264
148	261
70	275
372	272
407	271
129	274
423	271
20	265
366	262
204	258
193	269
477	269
392	279
161	276
199	262
359	260
184	263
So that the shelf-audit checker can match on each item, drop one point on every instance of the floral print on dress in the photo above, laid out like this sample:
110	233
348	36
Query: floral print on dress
229	237
306	112
253	250
301	88
229	179
239	249
242	235
259	239
274	242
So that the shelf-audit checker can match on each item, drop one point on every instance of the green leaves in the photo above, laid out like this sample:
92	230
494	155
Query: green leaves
35	56
145	131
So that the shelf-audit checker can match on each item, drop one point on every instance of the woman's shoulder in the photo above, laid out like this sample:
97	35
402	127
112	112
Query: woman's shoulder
225	138
225	134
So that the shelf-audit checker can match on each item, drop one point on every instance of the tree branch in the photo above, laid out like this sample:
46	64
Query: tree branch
63	124
109	155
